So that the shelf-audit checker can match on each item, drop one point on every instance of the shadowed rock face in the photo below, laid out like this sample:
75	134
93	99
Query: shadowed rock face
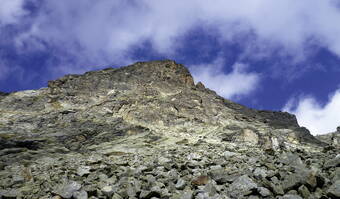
149	121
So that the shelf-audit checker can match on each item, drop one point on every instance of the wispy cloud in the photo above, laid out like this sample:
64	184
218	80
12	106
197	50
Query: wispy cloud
238	83
319	119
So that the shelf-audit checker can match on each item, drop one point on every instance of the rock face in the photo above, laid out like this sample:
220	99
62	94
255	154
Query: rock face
148	131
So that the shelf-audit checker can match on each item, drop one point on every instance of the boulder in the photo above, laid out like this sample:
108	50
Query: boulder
242	186
334	190
67	189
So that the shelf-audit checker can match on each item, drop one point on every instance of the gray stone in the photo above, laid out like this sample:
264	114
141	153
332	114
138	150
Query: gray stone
319	193
210	189
273	185
304	192
220	175
336	174
229	154
260	173
18	179
163	160
80	195
180	184
253	197
67	189
263	191
206	196
131	190
116	196
202	196
94	158
334	190
185	195
335	162
83	170
107	190
9	193
250	136
292	181
291	159
300	177
292	192
145	194
242	186
194	156
290	196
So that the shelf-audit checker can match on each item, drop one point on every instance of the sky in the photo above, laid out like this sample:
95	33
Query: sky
281	55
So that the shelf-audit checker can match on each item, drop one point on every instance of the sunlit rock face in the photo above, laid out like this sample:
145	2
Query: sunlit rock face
147	131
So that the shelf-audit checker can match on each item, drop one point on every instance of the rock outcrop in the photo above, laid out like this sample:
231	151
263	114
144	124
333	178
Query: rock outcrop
148	131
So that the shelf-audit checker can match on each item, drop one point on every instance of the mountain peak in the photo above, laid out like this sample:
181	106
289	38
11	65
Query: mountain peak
166	72
150	124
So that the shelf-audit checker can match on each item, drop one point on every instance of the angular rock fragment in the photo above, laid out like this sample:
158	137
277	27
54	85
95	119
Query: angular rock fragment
334	190
67	189
242	186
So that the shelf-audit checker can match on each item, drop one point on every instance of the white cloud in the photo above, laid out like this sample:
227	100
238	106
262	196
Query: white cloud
116	25
317	118
11	11
104	32
235	84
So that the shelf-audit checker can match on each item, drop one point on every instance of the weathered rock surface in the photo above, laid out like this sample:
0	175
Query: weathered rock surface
147	131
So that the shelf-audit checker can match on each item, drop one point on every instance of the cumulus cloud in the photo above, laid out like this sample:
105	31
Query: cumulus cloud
319	119
11	11
87	34
235	84
106	28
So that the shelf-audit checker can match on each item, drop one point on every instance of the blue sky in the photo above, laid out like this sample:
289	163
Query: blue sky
265	54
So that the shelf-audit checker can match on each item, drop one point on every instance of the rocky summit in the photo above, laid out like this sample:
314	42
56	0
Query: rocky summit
148	131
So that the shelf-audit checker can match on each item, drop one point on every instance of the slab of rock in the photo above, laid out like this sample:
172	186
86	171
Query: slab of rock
336	174
242	186
83	170
80	195
334	190
67	189
300	177
229	154
264	191
335	162
291	196
108	191
180	184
